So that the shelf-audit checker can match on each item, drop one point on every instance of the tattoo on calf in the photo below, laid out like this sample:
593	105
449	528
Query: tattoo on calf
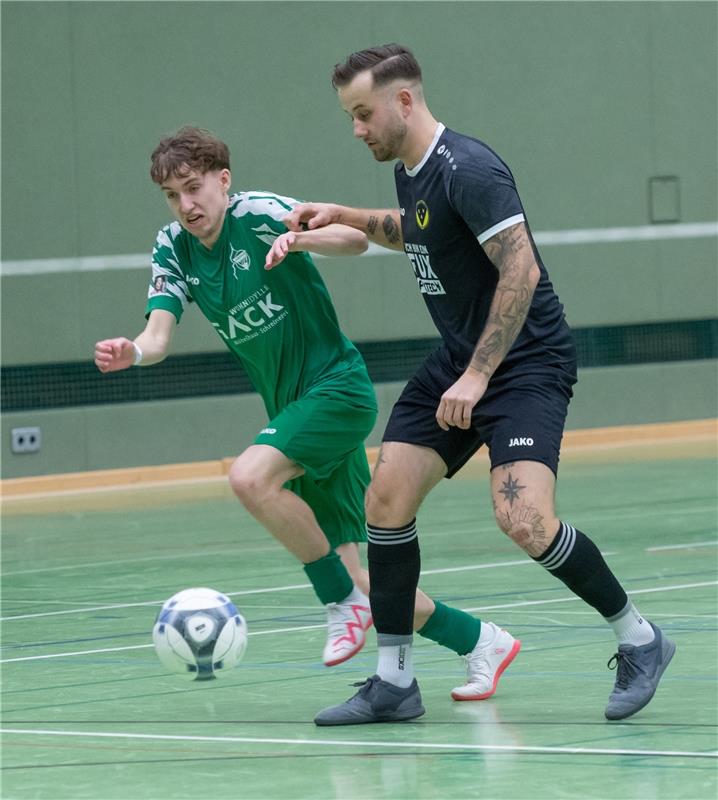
391	229
525	526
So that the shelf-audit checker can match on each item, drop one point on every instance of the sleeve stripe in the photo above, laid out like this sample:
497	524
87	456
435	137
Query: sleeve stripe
500	226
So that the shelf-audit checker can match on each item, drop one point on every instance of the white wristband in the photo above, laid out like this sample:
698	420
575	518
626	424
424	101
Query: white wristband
138	354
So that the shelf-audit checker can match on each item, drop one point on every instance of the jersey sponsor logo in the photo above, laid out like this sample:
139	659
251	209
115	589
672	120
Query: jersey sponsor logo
270	431
422	215
427	279
239	259
521	441
159	285
444	151
253	316
192	280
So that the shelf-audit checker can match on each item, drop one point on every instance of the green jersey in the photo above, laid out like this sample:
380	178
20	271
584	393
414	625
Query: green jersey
280	323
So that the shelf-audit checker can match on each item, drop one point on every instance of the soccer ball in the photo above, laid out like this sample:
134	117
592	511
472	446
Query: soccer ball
199	634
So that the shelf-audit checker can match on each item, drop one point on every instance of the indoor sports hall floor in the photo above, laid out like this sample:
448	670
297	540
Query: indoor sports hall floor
88	712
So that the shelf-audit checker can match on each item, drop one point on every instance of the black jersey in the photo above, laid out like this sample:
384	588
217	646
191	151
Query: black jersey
459	196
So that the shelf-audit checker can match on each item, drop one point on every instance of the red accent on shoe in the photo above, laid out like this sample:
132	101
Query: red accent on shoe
351	636
502	666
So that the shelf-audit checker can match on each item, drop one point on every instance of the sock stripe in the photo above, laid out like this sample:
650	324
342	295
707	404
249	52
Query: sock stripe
562	550
400	529
391	536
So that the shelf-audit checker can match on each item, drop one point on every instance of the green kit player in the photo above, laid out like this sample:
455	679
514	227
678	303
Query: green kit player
305	474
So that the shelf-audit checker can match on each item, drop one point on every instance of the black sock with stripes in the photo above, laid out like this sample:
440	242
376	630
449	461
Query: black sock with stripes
394	564
574	559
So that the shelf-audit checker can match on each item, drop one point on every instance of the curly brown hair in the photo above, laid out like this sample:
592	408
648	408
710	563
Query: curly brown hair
190	148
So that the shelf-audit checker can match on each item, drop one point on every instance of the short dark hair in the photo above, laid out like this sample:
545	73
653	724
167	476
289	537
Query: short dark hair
190	148
387	63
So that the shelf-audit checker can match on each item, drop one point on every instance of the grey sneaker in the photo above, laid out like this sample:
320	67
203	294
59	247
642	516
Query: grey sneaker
638	671
376	701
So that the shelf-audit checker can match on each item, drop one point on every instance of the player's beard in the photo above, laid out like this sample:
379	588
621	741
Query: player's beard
388	148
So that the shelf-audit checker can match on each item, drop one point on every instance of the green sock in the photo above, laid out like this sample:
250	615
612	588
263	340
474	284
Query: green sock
452	628
330	578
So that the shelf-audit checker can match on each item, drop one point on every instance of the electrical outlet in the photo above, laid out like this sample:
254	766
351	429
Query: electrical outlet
26	440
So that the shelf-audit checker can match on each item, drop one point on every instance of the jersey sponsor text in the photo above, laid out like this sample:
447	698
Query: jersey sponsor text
428	281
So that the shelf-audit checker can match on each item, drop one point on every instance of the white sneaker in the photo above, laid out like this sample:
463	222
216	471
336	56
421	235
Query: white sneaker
485	663
347	623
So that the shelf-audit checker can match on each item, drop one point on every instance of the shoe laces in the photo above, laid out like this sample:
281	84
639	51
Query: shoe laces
625	669
364	685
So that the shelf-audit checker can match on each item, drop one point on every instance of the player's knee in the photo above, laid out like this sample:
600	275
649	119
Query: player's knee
250	489
518	532
383	508
529	532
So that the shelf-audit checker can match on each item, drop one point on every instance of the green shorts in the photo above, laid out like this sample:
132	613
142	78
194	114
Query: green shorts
324	432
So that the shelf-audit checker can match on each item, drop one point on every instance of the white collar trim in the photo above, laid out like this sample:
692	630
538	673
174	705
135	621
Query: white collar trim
440	128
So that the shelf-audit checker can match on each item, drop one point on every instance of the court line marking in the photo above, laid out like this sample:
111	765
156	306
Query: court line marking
229	550
247	592
491	748
474	529
518	604
637	233
271	590
574	599
686	546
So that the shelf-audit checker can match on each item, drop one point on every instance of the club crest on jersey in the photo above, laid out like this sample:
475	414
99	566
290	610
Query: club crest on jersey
239	259
422	215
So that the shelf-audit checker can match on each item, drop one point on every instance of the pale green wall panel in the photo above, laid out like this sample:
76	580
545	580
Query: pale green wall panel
173	431
63	443
40	318
586	101
644	394
106	437
629	282
39	132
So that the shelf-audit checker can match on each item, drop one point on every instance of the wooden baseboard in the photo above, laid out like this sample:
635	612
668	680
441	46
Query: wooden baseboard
593	439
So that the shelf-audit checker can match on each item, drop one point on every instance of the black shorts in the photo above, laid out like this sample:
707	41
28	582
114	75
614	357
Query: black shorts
520	417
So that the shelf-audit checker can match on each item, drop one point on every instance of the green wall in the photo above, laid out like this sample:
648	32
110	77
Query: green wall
586	101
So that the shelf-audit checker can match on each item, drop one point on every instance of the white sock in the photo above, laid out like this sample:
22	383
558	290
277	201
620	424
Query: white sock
355	596
630	627
396	665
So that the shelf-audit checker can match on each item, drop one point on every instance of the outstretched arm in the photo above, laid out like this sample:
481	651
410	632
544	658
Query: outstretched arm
152	344
511	253
332	240
382	226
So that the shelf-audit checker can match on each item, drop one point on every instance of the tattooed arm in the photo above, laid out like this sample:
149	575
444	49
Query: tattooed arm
381	226
511	253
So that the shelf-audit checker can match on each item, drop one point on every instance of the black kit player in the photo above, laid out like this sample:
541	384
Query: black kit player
503	378
305	475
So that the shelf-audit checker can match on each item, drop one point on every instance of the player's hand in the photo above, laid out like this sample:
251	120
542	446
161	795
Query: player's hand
114	354
283	245
311	215
458	400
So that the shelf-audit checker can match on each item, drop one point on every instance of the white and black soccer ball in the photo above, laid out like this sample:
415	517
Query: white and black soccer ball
199	634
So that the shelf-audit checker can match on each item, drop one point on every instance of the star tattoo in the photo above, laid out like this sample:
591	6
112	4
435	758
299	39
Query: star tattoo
511	490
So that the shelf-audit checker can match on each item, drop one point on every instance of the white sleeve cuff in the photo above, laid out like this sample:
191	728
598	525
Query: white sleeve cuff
500	226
